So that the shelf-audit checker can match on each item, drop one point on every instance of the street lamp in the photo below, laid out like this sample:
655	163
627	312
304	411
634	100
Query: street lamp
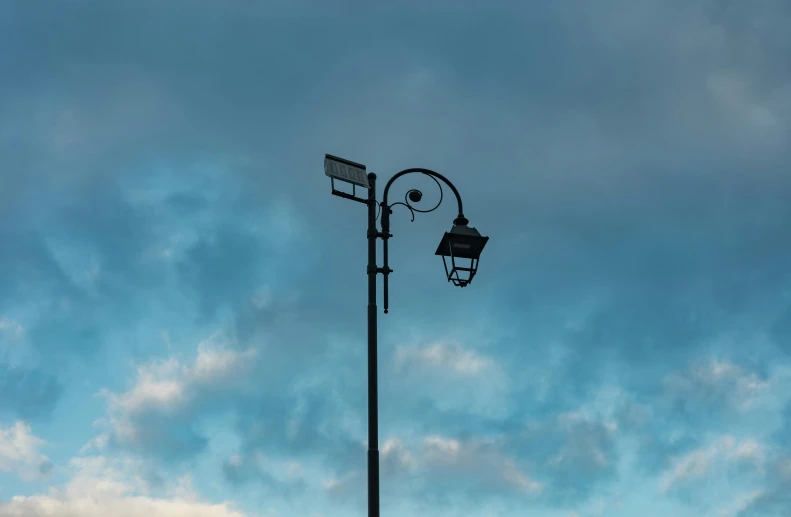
462	243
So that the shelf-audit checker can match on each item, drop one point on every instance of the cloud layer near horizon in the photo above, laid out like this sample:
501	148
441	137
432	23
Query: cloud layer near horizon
180	294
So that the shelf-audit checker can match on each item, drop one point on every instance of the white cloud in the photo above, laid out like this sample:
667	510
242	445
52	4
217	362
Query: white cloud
168	383
159	384
478	460
718	456
168	386
717	381
772	498
11	329
341	487
395	455
395	459
739	503
100	487
442	449
213	366
695	464
446	356
19	452
451	465
454	376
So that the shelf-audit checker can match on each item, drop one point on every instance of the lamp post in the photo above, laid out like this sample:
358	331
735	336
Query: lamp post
461	243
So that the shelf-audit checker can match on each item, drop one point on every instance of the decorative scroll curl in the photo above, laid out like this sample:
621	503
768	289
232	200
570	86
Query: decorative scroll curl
415	195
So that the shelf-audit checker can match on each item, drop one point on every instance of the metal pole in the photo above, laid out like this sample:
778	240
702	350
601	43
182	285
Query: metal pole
373	406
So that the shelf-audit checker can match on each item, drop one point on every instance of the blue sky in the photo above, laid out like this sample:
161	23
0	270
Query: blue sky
182	301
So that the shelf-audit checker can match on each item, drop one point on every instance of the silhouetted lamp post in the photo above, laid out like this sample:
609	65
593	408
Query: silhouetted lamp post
460	249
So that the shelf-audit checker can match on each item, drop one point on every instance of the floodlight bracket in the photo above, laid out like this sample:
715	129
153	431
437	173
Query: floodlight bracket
346	195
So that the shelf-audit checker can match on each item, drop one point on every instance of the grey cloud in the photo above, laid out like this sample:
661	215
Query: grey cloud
225	269
73	320
712	390
25	262
45	469
657	451
28	393
439	471
297	427
783	435
162	436
553	461
242	470
606	150
282	424
632	193
478	470
573	455
774	499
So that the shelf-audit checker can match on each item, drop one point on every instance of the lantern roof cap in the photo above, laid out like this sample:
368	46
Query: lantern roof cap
462	241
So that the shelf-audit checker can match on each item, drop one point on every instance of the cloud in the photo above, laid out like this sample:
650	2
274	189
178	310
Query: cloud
92	255
157	413
397	461
20	452
101	486
283	478
438	469
674	419
719	392
28	392
739	100
475	466
603	146
125	108
740	503
450	376
164	413
573	453
451	357
721	455
715	385
11	330
559	461
774	498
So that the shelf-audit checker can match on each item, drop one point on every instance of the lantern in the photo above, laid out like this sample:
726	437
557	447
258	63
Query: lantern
460	249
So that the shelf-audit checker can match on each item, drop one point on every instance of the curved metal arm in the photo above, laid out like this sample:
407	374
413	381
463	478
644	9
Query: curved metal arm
414	195
433	175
